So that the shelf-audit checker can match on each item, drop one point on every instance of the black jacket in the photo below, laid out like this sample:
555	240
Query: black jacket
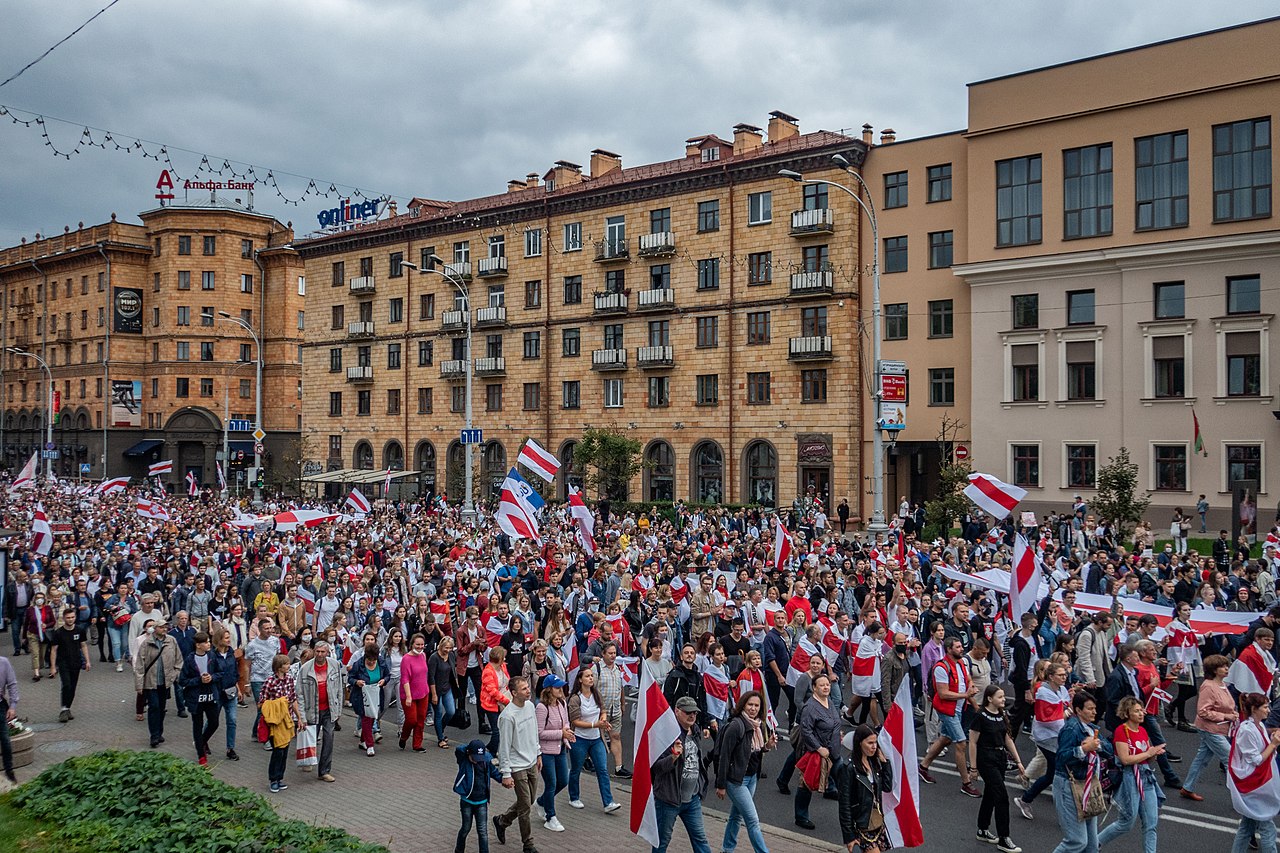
859	793
687	682
735	758
1117	687
1023	653
666	770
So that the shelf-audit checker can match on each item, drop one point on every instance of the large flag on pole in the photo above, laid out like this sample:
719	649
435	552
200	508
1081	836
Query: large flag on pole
115	484
656	731
41	534
1024	579
583	520
1197	435
901	803
781	543
518	508
222	477
155	469
992	496
357	501
539	461
27	476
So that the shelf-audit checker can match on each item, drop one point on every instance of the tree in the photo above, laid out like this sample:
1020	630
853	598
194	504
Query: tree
1117	499
950	504
610	460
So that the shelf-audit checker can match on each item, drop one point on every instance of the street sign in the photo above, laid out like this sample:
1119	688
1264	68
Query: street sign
257	448
962	452
49	454
471	436
239	425
898	368
86	467
49	445
258	434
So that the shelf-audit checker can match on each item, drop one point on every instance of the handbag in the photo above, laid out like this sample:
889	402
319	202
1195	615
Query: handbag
305	753
1087	793
461	719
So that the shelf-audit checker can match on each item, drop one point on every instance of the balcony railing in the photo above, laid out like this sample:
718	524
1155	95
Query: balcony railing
362	329
458	269
363	284
611	302
656	300
612	250
810	348
819	221
655	356
491	366
812	283
657	245
453	321
495	315
609	359
360	374
453	369
493	267
64	336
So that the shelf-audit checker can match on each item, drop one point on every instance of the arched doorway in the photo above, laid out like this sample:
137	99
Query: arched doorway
192	437
571	473
760	474
660	472
493	468
362	456
455	473
707	468
424	462
393	456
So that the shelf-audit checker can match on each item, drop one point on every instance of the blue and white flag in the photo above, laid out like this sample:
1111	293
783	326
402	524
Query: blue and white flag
518	508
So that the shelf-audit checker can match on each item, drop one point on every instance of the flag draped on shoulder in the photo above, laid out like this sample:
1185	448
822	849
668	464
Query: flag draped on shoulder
866	666
583	520
993	496
656	731
901	802
800	660
539	461
715	681
41	533
518	508
1252	672
749	680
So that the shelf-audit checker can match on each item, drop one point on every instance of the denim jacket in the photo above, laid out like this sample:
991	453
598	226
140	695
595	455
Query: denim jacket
1072	761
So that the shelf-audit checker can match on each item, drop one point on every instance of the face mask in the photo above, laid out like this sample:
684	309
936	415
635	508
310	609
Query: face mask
901	649
151	629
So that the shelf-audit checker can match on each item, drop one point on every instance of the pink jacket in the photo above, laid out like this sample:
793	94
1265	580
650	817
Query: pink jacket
1215	710
552	721
413	672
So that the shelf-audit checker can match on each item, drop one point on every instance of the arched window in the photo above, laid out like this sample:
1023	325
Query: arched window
761	473
363	456
708	473
424	461
393	456
455	473
493	468
571	474
660	472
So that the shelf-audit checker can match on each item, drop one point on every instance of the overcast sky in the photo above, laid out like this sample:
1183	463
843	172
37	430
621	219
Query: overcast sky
450	100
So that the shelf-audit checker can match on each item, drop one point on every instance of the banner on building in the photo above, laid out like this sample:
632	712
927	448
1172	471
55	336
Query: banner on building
126	403
127	310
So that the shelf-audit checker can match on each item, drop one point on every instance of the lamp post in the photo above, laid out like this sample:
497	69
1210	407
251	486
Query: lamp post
468	506
48	412
226	429
877	524
257	342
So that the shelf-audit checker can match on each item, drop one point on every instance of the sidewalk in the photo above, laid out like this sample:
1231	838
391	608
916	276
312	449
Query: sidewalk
401	799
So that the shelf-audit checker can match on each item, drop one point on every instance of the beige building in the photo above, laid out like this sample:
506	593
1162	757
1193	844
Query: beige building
128	319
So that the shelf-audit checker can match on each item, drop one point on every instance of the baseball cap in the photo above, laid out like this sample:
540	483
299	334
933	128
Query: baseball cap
687	704
553	680
476	750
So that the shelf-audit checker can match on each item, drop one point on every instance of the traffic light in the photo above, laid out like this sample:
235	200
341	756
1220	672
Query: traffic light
261	482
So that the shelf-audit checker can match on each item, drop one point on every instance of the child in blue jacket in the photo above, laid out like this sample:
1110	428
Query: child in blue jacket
475	768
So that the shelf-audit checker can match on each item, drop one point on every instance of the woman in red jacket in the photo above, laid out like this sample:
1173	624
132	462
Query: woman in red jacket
39	630
494	694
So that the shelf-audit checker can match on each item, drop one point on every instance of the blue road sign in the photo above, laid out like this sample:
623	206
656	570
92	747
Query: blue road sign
471	436
240	425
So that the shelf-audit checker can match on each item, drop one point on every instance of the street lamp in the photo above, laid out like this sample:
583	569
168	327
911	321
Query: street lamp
468	506
48	420
877	524
226	428
257	342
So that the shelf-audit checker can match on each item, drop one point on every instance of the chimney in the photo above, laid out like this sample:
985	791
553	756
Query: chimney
603	162
782	126
746	138
531	180
868	135
691	144
515	186
563	174
391	209
887	135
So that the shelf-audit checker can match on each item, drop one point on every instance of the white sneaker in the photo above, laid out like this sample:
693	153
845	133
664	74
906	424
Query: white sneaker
577	804
540	812
369	751
612	807
553	825
119	667
1023	807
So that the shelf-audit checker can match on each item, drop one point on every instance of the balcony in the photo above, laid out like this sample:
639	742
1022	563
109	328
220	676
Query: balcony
362	284
457	269
362	329
493	267
662	299
453	369
612	251
491	366
64	336
810	348
651	357
494	315
612	302
805	223
812	283
609	359
659	245
453	321
360	374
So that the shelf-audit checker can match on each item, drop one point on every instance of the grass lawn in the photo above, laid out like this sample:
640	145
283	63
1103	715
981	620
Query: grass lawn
18	833
1204	546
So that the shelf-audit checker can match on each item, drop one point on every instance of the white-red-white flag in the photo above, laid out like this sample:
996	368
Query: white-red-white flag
656	732
993	496
799	664
386	485
151	509
901	803
27	476
715	681
357	501
1024	579
539	461
781	543
1252	672
583	521
41	534
866	666
193	486
222	477
155	469
749	680
115	484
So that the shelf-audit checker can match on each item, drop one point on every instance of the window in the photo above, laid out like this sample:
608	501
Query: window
426	258
182	387
758	388
660	332
708	389
458	399
335	446
895	190
246	249
813	386
1025	360
613	336
1168	358
615	281
1082	466
708	331
210	245
659	392
424	401
497	295
206	351
207	280
393	401
498	246
393	356
613	393
709	274
572	290
246	352
759	268
155	388
1086	191
1243	294
532	396
338	312
1244	462
660	276
941	318
364	356
493	346
493	398
155	284
942	386
182	351
1081	358
426	306
1026	311
426	353
395	310
573	239
761	474
940	249
895	254
1160	181
813	321
1242	170
533	294
570	395
1026	465
302	321
364	403
895	321
814	196
660	220
815	259
1170	467
339	274
757	327
571	343
1170	300
1080	308
1244	364
940	183
532	344
533	242
335	359
206	315
184	279
759	208
1018	201
184	245
461	252
184	315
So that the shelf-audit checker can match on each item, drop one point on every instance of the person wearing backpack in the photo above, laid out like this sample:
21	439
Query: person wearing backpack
476	767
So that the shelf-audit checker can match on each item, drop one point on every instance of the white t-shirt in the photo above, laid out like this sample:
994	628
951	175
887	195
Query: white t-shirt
590	712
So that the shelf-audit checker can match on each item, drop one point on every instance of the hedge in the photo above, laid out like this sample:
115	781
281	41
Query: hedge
153	801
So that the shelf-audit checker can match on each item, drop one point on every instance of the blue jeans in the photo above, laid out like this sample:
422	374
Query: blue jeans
1265	830
743	810
1211	746
492	717
229	707
1039	785
593	747
118	644
479	812
1131	807
690	814
442	711
555	775
1077	836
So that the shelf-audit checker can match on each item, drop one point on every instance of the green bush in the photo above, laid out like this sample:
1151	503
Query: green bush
157	802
